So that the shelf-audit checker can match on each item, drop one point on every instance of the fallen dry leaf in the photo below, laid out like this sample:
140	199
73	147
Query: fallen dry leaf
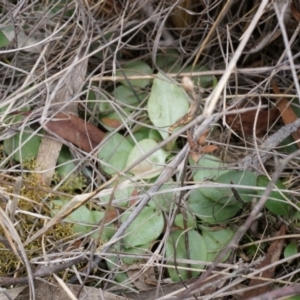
244	122
295	12
208	148
286	112
197	148
272	256
75	130
142	279
114	123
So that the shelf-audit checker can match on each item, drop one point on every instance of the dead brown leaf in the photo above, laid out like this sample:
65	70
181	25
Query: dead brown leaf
272	256
75	130
141	279
114	123
244	122
295	12
208	148
286	112
198	148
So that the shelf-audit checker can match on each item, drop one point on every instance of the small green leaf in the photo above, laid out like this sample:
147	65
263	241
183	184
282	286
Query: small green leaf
120	195
224	195
187	221
215	241
65	163
167	103
288	145
139	135
97	99
22	151
176	249
4	41
113	120
204	81
152	165
83	219
169	61
23	39
11	119
114	265
135	68
290	250
137	252
164	201
208	167
114	154
146	228
276	202
126	95
145	133
209	211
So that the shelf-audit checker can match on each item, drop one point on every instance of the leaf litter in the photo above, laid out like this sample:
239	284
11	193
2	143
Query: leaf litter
208	164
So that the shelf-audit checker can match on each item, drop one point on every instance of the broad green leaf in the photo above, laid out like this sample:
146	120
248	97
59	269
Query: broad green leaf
135	68
10	119
113	120
204	80
145	229
141	134
288	145
120	195
154	135
22	151
23	39
185	221
65	163
114	265
167	103
165	200
169	61
296	216
276	202
215	241
224	195
91	100
152	165
97	99
176	249
208	167
114	154
126	95
83	219
137	252
290	250
4	41
108	231
209	211
145	133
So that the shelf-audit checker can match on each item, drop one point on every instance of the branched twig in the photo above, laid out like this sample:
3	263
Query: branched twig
253	161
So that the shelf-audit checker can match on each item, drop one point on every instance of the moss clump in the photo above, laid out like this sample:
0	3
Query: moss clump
31	203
